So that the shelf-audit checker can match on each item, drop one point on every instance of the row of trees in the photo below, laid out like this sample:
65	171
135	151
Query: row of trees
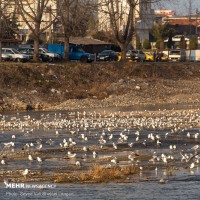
75	17
72	15
162	32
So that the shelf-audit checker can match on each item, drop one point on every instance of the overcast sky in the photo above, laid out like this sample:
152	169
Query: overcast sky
181	7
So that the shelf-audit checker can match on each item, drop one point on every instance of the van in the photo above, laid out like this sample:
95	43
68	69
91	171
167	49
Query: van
177	55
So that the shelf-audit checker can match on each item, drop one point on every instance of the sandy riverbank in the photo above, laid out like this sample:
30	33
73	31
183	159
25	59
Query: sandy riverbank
100	85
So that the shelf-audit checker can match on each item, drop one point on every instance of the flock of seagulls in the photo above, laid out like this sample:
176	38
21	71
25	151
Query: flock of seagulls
169	138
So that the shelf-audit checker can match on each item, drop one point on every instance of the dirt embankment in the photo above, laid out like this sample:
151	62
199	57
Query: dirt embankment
77	85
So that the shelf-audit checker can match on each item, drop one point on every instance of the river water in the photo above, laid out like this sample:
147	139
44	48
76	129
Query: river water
173	190
181	184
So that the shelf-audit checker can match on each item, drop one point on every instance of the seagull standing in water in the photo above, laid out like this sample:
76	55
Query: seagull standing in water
71	155
192	166
114	160
25	172
78	164
30	157
195	148
94	154
39	159
3	162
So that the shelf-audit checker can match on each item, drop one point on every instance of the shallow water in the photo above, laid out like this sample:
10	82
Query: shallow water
28	127
174	190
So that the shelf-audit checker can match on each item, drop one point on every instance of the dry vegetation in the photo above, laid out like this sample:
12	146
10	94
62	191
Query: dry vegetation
95	174
32	85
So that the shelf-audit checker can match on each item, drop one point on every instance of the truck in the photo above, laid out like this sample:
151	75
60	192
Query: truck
177	55
76	52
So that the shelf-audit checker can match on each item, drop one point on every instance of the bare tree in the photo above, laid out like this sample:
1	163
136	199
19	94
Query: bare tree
32	13
64	15
74	16
120	17
7	21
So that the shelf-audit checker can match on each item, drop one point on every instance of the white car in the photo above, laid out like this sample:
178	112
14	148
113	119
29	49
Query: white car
15	55
52	56
5	57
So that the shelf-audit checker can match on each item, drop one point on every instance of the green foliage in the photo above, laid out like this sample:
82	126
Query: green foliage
182	44
161	32
193	42
158	42
9	28
171	32
146	44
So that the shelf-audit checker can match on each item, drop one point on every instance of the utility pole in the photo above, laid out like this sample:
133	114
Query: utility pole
196	31
50	19
190	15
0	31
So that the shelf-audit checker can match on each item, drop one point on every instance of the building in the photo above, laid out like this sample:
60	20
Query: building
30	6
187	25
164	13
143	18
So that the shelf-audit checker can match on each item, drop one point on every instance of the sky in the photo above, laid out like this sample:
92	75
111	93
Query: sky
181	7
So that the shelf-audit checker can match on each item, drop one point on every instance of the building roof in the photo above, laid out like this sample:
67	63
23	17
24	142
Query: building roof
184	20
11	40
86	41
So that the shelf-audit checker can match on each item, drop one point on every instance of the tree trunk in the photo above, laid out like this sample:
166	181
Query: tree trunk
123	50
66	48
0	50
162	45
36	50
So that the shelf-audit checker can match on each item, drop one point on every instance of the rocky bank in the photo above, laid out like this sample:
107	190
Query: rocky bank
26	86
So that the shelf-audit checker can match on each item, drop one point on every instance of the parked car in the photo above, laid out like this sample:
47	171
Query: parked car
107	55
163	57
15	55
135	55
160	57
52	56
76	53
119	56
5	57
148	57
30	51
177	55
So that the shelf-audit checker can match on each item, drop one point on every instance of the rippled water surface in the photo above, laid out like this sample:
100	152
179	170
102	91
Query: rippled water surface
176	190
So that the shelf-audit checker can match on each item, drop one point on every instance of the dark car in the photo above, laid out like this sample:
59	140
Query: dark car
135	55
107	55
30	52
